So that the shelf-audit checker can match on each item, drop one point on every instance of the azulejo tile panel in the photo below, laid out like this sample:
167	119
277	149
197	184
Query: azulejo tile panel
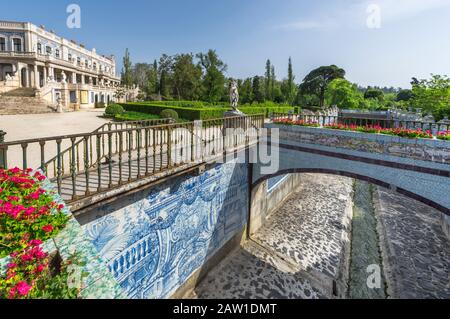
153	245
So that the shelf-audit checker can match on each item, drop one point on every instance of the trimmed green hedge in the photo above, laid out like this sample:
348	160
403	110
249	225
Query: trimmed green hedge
202	113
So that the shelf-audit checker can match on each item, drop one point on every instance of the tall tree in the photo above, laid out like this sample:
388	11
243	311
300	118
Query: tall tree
213	79
316	82
290	85
164	69
272	83
245	91
127	73
186	77
257	92
268	80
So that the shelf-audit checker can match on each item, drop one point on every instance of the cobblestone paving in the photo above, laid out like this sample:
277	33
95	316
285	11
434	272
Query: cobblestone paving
312	226
307	233
414	247
250	273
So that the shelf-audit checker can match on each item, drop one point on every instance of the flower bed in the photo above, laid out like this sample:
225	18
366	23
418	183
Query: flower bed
299	123
375	129
444	135
28	217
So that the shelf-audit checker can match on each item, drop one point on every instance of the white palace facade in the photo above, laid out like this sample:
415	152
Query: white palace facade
53	69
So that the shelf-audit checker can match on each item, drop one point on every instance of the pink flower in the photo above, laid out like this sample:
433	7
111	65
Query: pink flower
26	257
35	196
11	265
48	228
23	288
15	170
35	242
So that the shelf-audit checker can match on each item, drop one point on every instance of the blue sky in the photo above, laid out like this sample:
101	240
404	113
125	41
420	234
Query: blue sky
413	38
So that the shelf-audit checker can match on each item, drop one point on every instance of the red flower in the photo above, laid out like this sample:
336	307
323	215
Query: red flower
48	228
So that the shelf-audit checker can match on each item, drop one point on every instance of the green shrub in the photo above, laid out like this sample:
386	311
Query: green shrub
169	114
113	110
135	116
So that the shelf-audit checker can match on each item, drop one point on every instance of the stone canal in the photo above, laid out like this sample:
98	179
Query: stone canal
335	237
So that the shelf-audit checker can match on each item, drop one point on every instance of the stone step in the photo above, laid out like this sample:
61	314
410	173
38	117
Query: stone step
10	105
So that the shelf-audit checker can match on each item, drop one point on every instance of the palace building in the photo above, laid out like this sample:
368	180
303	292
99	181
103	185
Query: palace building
37	63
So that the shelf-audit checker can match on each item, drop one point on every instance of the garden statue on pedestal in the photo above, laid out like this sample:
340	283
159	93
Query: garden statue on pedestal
59	107
234	100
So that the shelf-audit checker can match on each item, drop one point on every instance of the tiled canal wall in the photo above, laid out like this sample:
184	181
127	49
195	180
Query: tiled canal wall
418	168
437	151
154	241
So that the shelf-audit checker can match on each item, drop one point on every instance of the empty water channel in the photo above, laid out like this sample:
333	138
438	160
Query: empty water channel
335	237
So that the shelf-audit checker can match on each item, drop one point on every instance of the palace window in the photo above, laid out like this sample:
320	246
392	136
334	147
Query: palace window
86	63
48	50
57	53
95	66
2	44
69	57
39	48
78	61
17	45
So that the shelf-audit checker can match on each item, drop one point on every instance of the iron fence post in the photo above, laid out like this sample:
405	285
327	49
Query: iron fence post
3	151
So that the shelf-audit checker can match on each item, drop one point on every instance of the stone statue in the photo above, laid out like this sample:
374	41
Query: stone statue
234	100
234	95
59	107
63	77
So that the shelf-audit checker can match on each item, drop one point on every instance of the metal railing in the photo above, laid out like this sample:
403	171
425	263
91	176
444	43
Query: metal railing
118	153
325	120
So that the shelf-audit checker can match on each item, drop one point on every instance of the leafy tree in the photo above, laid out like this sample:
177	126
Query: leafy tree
245	91
343	94
257	90
127	73
404	95
432	95
374	93
213	79
164	75
316	82
186	77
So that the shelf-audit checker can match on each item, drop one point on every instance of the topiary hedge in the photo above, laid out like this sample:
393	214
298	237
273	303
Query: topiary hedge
169	114
203	113
113	110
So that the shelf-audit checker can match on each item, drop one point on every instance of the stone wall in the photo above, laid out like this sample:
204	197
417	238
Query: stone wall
264	202
155	240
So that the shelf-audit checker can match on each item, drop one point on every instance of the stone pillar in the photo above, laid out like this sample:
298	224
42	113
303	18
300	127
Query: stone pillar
74	78
36	77
45	75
